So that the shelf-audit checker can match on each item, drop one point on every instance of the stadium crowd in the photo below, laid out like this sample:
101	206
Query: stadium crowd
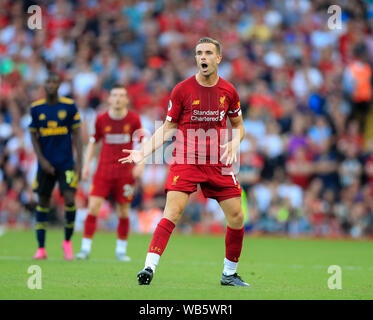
306	163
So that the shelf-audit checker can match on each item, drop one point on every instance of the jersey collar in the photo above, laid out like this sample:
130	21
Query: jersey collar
217	81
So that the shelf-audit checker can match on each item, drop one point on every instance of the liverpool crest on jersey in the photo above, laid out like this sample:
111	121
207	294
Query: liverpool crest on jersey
221	102
126	128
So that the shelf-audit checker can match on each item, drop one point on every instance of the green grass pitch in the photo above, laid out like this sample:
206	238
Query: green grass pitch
190	268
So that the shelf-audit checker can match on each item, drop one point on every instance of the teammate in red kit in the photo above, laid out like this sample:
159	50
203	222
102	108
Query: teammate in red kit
198	108
116	128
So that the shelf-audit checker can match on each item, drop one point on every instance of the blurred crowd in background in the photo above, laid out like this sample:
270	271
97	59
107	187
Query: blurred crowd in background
305	89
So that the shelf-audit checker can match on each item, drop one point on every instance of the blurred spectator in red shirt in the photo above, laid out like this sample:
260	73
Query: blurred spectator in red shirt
300	168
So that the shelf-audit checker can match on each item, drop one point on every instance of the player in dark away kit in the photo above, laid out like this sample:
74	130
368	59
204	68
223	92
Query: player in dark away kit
55	132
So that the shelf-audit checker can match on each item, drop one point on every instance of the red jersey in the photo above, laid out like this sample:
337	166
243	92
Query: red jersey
201	113
116	134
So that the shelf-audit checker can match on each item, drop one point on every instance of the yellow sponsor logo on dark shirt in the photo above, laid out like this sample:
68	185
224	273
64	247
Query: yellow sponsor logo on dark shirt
44	132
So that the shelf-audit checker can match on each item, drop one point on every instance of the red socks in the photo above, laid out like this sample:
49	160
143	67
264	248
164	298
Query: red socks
90	226
233	240
233	237
123	228
161	236
91	223
233	243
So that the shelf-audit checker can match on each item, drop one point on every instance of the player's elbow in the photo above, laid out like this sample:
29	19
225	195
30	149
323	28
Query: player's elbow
242	128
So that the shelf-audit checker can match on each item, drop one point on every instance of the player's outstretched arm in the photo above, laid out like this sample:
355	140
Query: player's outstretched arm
161	135
230	149
89	155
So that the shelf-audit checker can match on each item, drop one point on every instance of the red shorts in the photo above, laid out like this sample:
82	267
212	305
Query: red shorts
214	184
122	189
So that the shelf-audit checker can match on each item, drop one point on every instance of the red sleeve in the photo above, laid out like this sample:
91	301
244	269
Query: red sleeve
174	105
234	109
98	133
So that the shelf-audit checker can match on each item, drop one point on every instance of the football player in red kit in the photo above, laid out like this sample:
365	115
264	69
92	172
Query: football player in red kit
198	108
115	128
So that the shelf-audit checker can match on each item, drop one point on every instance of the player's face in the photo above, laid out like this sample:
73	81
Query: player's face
118	98
52	84
207	58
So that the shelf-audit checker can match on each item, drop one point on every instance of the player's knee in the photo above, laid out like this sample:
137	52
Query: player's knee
44	201
94	209
94	205
123	212
69	199
173	214
236	218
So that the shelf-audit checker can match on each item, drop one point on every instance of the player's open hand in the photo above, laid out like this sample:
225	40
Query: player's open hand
230	151
134	156
47	167
86	172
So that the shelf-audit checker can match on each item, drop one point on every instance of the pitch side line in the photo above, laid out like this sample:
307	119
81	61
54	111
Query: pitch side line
291	266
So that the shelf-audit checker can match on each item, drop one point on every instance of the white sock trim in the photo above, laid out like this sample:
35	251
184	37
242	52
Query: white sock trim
152	260
86	245
121	246
230	267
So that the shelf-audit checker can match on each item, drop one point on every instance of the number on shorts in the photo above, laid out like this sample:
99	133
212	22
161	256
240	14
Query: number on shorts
71	178
128	190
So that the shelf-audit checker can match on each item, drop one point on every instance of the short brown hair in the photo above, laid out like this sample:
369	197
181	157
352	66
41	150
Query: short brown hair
117	86
211	40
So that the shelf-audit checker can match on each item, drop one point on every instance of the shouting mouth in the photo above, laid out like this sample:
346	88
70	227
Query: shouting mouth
204	66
